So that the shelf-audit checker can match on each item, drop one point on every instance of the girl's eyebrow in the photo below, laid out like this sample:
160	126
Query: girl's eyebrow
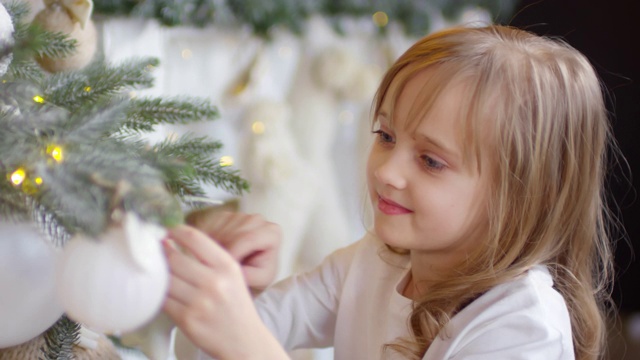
448	151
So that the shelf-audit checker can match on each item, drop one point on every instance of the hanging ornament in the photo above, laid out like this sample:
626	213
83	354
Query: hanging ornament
28	303
117	283
6	38
73	18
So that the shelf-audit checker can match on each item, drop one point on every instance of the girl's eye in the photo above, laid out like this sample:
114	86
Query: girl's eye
383	136
432	164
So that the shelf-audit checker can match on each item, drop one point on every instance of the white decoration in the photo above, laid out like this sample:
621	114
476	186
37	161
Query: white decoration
73	19
79	10
283	184
6	37
28	306
363	84
334	68
116	283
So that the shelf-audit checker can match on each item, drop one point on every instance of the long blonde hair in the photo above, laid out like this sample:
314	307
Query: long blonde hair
543	104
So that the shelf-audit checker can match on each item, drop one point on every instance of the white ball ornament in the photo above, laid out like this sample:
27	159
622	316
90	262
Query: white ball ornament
6	38
117	283
28	305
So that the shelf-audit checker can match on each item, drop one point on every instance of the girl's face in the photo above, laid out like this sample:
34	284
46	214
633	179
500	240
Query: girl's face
427	197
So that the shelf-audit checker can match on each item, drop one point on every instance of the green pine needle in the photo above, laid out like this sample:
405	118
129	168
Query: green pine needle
59	340
144	114
72	90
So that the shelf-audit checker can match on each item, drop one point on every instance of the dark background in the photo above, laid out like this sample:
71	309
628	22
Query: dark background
607	32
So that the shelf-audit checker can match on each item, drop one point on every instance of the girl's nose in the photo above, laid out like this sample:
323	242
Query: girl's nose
391	171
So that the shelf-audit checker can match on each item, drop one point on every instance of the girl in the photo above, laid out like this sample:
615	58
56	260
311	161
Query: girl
489	237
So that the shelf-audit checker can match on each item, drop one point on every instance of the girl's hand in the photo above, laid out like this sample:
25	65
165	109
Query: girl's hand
209	301
250	239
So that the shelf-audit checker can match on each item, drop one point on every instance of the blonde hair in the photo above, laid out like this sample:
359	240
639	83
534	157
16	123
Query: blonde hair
542	103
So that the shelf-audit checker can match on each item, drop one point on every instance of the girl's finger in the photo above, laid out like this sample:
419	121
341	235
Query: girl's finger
199	245
185	267
173	308
181	290
253	243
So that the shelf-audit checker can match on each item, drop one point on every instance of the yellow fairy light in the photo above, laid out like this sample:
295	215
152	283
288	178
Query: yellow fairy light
238	89
226	161
18	176
38	180
258	127
186	54
380	18
56	152
39	99
87	88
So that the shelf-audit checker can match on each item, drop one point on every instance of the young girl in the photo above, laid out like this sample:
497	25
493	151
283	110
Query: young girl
486	180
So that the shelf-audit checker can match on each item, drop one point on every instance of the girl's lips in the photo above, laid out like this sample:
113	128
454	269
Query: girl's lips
391	208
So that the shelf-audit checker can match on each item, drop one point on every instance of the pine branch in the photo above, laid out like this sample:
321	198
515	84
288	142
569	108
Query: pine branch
72	90
95	122
13	203
144	114
25	69
18	10
60	339
187	161
31	39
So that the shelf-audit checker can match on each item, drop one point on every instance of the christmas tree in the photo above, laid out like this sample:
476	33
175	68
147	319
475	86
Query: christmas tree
74	163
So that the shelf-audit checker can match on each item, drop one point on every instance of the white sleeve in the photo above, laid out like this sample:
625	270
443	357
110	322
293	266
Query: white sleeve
516	338
301	310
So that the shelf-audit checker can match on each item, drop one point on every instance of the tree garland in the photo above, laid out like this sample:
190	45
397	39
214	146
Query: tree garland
262	16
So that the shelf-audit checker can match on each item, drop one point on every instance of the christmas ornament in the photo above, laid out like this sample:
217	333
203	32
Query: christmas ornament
27	288
115	283
73	18
6	38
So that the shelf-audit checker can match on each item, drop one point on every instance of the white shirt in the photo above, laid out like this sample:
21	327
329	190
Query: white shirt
352	302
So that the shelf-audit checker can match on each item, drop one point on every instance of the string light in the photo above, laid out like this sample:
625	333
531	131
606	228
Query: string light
56	152
39	99
187	54
380	18
87	88
226	161
258	127
18	176
38	180
238	89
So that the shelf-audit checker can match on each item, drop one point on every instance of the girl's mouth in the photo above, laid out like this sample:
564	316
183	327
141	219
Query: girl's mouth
389	207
